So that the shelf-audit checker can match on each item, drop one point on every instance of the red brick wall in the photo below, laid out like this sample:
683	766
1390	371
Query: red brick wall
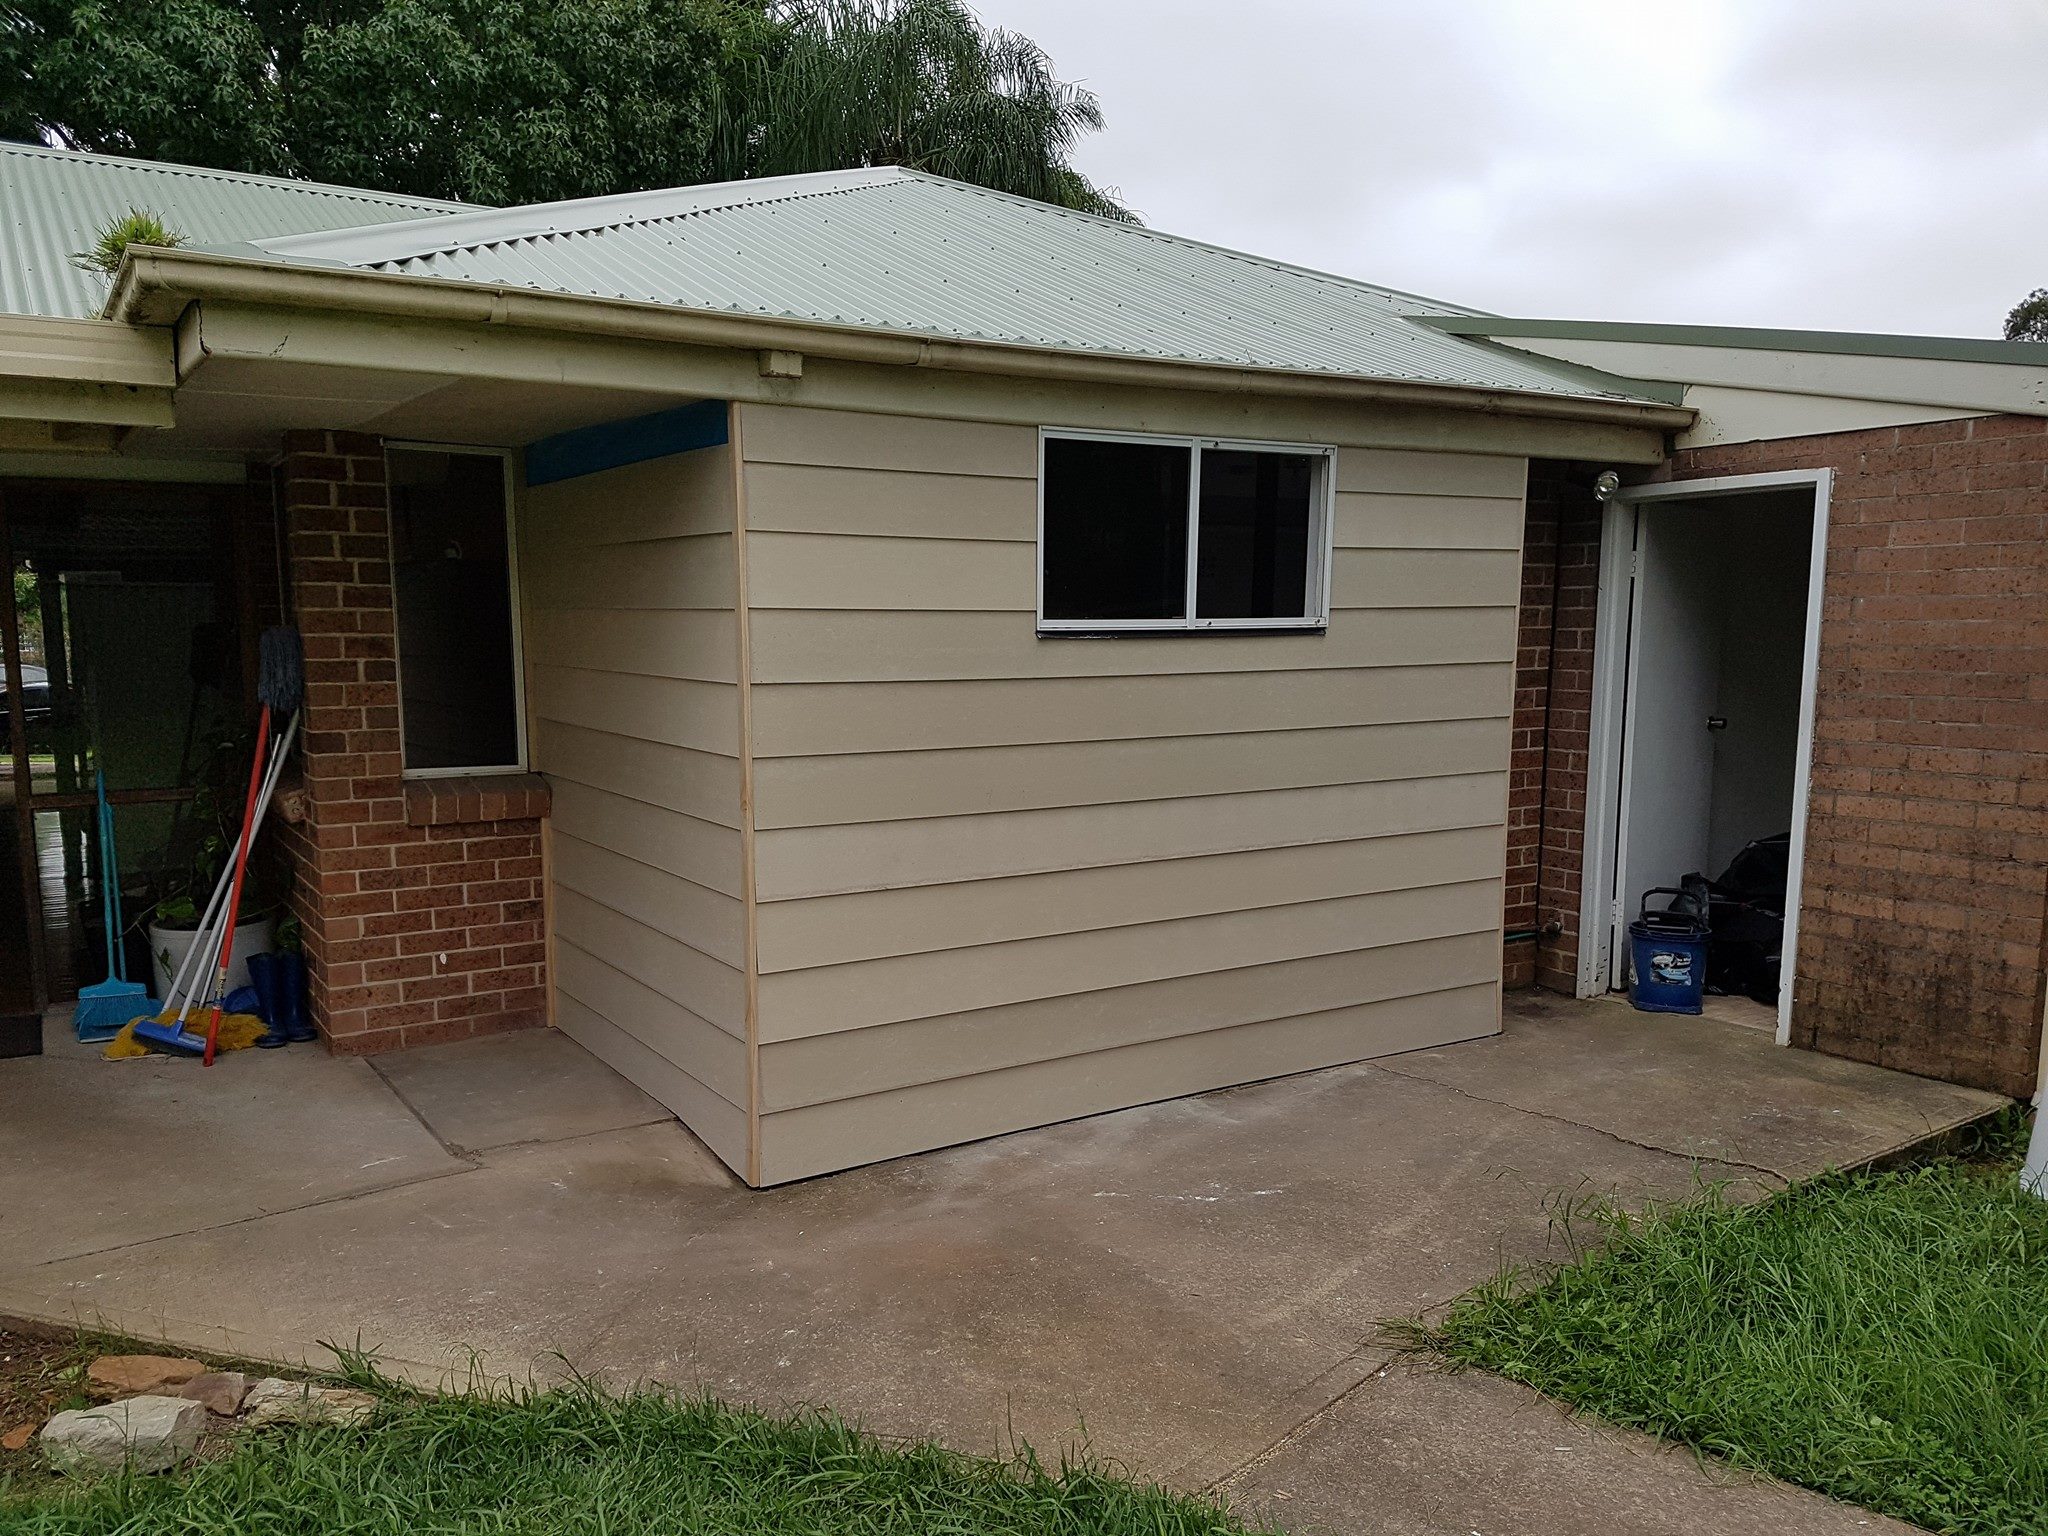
1924	921
1532	707
1553	717
1924	914
420	903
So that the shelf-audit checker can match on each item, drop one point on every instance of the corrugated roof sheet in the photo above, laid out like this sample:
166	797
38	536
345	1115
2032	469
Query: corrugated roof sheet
54	202
903	252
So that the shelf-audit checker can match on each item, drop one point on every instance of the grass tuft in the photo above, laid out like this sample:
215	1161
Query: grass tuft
1880	1337
574	1459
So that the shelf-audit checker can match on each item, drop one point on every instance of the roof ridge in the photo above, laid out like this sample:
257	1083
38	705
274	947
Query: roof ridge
659	203
1251	257
857	178
178	168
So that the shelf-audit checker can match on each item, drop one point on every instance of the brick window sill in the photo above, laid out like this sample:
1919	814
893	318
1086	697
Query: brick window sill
473	798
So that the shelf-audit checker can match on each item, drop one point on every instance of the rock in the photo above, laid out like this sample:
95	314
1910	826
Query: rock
151	1433
274	1400
221	1391
18	1436
139	1375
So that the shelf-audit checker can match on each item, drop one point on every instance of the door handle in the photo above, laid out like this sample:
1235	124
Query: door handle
1717	722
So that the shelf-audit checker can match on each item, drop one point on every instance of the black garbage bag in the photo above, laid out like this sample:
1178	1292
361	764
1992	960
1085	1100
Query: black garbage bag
1746	918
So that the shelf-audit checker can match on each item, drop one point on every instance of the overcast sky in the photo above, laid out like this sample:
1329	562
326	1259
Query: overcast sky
1875	165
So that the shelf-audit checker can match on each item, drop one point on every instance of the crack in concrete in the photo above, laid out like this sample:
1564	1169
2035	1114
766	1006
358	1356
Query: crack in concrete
1597	1130
462	1154
1287	1437
242	1221
475	1155
1377	1371
557	1141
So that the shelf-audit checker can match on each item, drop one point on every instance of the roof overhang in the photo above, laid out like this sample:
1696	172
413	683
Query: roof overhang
158	287
80	385
1938	373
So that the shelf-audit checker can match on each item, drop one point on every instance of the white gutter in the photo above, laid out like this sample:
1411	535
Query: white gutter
155	286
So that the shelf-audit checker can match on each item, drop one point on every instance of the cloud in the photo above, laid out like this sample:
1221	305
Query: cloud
1854	164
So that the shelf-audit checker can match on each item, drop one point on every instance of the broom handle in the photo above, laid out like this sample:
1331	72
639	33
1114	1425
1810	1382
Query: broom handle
192	968
227	938
117	923
107	873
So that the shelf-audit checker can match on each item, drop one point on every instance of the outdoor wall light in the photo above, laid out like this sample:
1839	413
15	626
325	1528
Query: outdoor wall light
1605	484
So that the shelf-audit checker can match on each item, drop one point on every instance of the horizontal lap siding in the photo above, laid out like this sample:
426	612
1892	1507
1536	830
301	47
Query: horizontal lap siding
632	651
1003	880
844	1132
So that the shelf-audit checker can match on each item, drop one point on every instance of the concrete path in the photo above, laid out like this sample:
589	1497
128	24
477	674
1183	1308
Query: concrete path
1197	1284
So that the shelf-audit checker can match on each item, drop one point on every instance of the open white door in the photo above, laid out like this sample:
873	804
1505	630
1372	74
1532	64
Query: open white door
1650	754
1673	682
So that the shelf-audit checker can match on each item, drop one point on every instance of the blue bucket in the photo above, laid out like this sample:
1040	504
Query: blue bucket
1667	970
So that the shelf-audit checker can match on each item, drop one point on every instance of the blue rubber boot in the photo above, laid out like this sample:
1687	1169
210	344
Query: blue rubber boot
263	976
291	998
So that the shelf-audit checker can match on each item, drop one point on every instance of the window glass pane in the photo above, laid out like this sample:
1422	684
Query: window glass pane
1116	530
1256	517
451	581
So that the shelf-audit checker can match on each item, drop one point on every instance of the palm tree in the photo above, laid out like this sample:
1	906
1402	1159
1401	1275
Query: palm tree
917	83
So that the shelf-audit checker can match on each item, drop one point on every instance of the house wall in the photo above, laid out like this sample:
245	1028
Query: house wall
419	901
1924	925
632	651
1003	880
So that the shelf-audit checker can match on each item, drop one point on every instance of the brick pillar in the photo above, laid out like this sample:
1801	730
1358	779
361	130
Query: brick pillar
1532	710
420	901
1569	733
1552	727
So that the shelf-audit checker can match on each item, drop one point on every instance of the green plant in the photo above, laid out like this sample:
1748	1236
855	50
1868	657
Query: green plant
204	837
1881	1337
2029	318
918	83
132	228
578	1459
522	101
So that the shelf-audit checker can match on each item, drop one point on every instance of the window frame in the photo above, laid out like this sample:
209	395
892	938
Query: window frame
506	458
1322	532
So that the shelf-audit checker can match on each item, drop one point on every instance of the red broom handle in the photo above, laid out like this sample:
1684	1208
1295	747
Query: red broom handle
227	938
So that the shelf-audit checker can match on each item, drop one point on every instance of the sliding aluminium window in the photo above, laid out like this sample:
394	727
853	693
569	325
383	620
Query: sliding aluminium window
1181	533
453	586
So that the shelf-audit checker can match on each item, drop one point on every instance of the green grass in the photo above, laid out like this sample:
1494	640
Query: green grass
1881	1337
577	1460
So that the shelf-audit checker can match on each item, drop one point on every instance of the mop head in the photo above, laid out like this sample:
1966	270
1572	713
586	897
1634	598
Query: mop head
238	1031
280	670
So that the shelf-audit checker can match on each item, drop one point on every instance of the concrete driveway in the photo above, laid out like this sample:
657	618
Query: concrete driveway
1194	1285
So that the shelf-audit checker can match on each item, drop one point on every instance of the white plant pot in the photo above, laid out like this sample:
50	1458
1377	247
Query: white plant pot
167	947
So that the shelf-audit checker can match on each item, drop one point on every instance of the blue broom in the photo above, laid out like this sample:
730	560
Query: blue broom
104	1008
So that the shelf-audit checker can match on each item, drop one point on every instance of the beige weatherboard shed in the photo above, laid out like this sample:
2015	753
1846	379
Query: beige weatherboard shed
986	665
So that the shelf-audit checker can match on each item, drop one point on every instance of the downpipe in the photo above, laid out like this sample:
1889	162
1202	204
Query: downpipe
2034	1171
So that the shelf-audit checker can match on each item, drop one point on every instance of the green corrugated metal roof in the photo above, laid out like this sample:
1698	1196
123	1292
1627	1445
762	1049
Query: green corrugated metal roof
880	249
903	252
1947	349
56	201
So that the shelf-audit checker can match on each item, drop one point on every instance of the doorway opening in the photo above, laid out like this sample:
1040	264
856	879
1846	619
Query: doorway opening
127	631
1705	674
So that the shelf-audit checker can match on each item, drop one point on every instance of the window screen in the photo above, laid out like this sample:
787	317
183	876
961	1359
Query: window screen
1257	512
1132	528
1116	530
451	576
